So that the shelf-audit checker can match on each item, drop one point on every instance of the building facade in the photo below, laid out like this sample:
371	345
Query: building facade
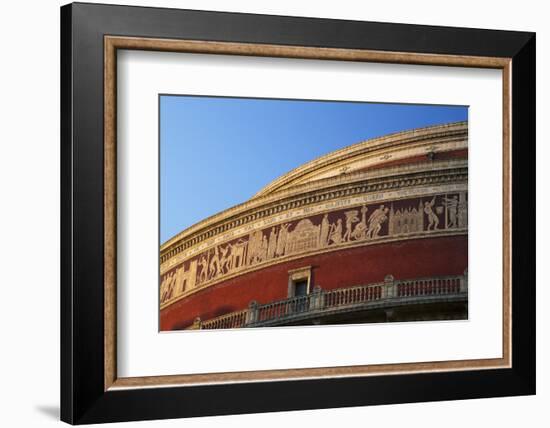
374	232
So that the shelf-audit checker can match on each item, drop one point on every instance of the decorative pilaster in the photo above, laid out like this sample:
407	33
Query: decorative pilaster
252	314
317	298
388	291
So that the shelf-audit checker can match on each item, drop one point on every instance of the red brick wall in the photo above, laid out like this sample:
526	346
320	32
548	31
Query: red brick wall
344	268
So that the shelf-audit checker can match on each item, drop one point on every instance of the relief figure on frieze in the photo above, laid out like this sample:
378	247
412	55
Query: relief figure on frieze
263	249
167	287
272	246
451	204
225	258
360	231
335	235
203	264
281	240
376	219
433	219
351	218
325	230
215	264
463	210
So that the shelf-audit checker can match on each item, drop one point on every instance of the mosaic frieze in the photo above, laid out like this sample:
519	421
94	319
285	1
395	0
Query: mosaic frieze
352	226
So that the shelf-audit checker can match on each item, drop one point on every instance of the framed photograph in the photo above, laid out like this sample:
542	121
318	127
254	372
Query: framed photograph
266	213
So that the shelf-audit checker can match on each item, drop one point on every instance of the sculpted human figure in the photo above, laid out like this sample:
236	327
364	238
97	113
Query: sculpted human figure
168	281
263	249
336	232
281	242
383	217
462	211
432	217
225	258
351	217
376	219
163	289
360	230
324	232
272	246
203	264
452	208
214	264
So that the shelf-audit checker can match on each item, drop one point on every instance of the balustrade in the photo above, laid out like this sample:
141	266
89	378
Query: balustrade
338	299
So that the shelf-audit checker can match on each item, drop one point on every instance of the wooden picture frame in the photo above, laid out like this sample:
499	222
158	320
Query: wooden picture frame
91	391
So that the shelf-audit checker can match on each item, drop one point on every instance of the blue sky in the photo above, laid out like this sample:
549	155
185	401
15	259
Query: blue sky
217	152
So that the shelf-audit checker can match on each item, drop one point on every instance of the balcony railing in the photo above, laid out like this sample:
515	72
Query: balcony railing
389	293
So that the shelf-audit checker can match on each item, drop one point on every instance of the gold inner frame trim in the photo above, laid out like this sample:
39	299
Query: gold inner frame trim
113	43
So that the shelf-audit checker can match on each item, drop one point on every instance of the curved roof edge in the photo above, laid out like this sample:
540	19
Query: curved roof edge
297	175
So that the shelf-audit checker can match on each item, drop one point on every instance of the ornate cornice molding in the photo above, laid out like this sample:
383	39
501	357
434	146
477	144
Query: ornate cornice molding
391	143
